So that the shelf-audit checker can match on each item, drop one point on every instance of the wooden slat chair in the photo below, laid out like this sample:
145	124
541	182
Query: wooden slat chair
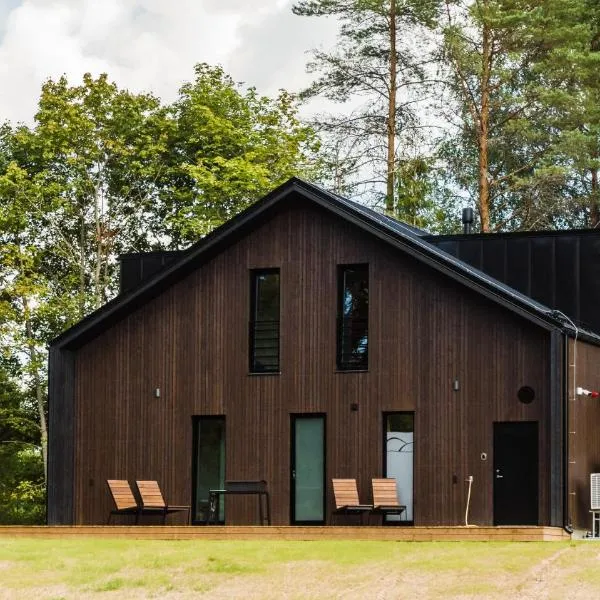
124	500
385	497
154	503
346	498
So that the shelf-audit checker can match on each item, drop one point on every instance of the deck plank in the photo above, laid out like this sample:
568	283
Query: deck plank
288	533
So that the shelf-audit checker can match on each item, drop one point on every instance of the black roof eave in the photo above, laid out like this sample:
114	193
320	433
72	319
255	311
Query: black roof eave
117	308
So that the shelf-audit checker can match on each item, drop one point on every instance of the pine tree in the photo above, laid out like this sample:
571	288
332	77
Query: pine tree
380	60
520	77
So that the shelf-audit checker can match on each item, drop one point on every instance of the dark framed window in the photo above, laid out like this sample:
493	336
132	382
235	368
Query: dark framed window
264	321
353	318
399	461
208	464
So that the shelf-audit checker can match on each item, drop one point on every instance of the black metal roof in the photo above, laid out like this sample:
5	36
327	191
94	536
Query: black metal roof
400	235
559	269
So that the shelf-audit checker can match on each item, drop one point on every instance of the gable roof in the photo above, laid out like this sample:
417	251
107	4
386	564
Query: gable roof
400	235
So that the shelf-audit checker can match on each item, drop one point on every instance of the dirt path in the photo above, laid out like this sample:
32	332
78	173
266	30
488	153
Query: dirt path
544	580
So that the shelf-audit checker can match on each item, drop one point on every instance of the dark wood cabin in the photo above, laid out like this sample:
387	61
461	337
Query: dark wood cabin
308	339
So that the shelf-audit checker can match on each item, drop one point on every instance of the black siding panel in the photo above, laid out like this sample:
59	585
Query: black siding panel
449	247
560	269
139	267
471	251
567	276
61	427
543	273
589	269
494	258
518	273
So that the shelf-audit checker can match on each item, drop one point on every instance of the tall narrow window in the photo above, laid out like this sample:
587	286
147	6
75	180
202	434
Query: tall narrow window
353	317
264	321
208	465
398	444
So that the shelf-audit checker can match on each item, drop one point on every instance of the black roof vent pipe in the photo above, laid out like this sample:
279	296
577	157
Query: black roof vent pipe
467	219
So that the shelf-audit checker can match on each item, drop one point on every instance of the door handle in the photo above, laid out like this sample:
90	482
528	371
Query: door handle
498	476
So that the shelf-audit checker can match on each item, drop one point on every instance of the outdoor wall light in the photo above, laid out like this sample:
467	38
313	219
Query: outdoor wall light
157	393
456	385
354	406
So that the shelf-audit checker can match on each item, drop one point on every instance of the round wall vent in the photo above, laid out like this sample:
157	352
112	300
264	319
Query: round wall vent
526	394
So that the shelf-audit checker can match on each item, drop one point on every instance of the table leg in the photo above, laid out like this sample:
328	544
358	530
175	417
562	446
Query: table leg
212	508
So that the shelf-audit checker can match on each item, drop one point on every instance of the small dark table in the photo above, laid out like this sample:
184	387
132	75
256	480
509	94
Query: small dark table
258	488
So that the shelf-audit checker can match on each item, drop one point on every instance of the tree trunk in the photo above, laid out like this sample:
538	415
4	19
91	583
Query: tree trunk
37	383
82	264
483	133
391	121
595	200
98	265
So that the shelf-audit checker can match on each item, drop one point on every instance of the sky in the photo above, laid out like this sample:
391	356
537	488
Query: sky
151	45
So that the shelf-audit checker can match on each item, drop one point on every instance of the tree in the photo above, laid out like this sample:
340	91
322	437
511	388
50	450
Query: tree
227	147
379	60
22	490
509	64
27	313
23	432
92	161
569	85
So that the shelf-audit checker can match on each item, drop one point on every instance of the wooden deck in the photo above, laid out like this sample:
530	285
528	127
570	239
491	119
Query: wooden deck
404	534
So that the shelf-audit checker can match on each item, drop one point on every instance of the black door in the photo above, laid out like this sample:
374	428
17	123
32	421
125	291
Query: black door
516	473
308	469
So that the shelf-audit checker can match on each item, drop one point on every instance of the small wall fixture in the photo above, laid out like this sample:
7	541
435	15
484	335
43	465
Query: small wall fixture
456	385
157	393
354	406
583	392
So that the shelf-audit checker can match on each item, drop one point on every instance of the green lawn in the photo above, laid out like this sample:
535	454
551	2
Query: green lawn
95	568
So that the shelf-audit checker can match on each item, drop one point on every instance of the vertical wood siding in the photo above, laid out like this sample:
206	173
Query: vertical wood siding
584	430
192	342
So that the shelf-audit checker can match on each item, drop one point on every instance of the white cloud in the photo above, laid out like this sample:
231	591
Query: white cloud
150	45
273	50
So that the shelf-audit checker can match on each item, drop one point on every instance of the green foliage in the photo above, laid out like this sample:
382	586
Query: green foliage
22	490
23	495
227	148
538	81
381	60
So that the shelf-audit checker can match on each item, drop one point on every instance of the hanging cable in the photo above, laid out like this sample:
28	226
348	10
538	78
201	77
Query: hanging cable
470	481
